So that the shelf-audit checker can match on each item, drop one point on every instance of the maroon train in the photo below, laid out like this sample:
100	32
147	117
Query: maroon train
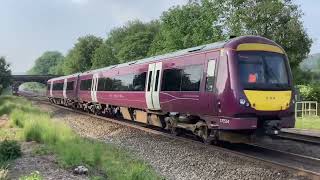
227	90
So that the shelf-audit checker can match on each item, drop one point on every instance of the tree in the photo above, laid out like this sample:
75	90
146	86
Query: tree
127	43
187	26
273	19
80	57
133	40
104	56
47	63
59	69
5	74
317	68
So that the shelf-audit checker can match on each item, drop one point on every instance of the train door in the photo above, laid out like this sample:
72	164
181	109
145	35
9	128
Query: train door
65	83
153	86
94	87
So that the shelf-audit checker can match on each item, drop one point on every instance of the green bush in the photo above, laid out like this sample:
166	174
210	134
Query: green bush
9	150
309	92
33	176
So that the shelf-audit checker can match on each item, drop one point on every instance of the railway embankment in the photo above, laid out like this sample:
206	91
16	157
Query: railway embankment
52	150
171	158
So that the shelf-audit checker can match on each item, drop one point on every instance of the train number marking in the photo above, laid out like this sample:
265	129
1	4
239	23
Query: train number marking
224	121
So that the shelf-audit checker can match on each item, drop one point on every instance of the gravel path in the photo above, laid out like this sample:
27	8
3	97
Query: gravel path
173	159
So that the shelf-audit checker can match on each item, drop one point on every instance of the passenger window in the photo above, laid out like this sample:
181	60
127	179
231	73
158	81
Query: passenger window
129	82
85	85
139	82
191	78
108	86
70	86
57	87
101	84
171	80
210	75
157	80
186	79
149	80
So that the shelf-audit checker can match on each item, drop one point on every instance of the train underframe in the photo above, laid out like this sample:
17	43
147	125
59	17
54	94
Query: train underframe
176	123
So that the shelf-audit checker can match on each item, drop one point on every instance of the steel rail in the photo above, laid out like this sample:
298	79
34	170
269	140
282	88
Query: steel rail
299	138
297	168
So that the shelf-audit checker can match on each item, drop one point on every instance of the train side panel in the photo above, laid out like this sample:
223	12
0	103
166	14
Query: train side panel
57	89
71	89
123	98
189	96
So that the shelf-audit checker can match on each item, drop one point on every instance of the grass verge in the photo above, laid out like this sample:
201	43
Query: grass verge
308	122
71	149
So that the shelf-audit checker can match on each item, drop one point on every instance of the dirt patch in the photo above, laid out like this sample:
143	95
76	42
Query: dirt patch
46	165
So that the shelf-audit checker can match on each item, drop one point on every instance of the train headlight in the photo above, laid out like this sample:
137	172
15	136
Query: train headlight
243	102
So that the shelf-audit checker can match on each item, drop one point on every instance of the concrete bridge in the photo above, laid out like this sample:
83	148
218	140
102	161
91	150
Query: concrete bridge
17	80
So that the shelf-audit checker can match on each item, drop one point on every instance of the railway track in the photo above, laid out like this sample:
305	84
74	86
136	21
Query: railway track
295	163
299	138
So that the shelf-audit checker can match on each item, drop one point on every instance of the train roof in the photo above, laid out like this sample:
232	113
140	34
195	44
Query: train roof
202	48
183	52
64	77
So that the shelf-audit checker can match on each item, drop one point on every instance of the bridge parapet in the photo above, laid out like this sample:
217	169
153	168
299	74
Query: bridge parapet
32	78
17	80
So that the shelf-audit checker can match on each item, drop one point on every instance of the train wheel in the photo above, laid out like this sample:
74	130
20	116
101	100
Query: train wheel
171	125
175	131
204	134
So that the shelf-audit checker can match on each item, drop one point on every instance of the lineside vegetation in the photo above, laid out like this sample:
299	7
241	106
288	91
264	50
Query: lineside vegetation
71	149
308	122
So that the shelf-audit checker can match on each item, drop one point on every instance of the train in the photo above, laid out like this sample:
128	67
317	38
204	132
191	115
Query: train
234	90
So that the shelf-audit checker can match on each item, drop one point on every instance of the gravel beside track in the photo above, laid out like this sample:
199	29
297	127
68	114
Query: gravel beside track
173	159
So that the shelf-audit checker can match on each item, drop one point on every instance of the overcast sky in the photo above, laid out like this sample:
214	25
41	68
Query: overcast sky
30	27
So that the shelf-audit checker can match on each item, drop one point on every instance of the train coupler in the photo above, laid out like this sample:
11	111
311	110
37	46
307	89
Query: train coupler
272	127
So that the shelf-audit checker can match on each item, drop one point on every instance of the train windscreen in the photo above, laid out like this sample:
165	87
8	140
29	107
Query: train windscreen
263	70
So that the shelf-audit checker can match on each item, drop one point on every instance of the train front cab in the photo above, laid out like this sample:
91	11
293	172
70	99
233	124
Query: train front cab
259	99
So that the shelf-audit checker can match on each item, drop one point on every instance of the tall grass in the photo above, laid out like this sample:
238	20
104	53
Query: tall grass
308	122
71	149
